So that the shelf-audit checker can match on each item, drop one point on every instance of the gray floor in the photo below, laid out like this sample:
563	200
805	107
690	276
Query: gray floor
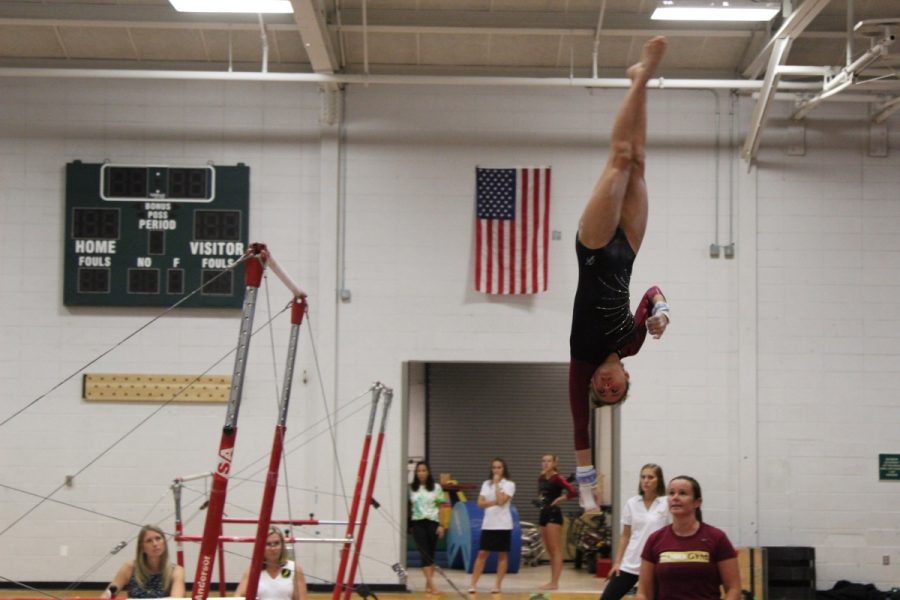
528	579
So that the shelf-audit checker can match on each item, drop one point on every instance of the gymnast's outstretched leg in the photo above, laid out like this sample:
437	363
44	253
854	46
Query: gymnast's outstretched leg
610	234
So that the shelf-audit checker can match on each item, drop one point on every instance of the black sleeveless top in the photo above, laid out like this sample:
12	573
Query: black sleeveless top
153	588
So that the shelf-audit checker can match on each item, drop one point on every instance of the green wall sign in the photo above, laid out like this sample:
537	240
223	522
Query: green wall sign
889	467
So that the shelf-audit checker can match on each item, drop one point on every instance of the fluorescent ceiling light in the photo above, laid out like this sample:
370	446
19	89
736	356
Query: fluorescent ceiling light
715	11
233	6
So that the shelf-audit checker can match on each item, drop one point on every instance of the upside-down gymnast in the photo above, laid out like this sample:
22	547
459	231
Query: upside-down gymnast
609	236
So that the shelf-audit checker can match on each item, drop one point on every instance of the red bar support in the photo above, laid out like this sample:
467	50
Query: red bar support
357	490
298	308
253	271
223	585
388	395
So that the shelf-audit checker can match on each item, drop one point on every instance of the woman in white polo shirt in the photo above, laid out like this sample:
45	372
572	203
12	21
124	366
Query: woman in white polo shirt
496	528
642	515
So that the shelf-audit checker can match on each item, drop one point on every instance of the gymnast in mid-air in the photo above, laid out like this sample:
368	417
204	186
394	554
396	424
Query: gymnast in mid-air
609	236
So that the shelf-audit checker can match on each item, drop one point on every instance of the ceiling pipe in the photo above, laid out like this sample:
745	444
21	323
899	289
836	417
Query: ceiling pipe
794	24
230	54
340	34
274	77
365	24
264	40
798	98
846	77
850	23
770	84
806	71
596	53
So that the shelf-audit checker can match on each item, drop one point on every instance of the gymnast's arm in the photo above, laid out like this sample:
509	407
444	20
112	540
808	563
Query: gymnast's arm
652	315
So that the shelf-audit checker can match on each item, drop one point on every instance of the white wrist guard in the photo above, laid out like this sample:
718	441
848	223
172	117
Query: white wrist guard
660	307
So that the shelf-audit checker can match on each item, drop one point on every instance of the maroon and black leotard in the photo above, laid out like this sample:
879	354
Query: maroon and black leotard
549	489
602	322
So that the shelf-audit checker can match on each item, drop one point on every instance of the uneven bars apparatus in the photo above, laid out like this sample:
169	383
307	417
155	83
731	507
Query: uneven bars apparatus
180	537
339	585
212	539
258	256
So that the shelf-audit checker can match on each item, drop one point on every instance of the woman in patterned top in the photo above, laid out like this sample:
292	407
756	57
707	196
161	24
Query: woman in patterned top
150	574
425	498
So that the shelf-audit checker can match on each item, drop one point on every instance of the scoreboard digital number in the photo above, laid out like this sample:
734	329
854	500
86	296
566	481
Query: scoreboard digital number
149	236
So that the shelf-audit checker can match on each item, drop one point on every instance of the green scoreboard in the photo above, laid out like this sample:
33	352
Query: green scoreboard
152	235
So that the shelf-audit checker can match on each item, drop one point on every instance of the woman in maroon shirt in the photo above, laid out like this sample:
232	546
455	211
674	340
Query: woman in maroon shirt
688	560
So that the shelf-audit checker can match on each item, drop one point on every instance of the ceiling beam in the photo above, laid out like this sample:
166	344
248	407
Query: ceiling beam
792	27
546	29
846	77
777	57
531	20
552	31
310	21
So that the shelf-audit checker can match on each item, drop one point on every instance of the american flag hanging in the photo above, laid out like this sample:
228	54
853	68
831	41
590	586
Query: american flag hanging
512	231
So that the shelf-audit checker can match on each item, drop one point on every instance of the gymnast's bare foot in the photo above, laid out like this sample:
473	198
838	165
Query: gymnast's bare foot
651	56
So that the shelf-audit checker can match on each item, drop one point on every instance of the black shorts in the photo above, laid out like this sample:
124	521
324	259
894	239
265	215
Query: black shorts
551	514
424	532
495	540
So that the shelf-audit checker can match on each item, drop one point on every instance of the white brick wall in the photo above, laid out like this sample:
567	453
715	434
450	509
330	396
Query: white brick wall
825	269
828	348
